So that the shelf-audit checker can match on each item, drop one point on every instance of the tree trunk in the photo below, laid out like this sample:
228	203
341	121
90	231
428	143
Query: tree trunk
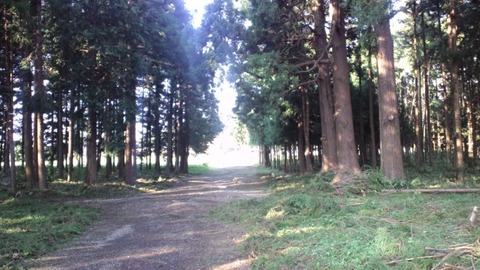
328	140
418	92
179	132
446	115
40	93
306	130
71	136
371	117
301	147
470	126
170	142
184	135
129	140
266	156
391	162
108	142
157	137
30	174
60	155
455	89
362	146
9	161
121	163
91	175
346	147
426	71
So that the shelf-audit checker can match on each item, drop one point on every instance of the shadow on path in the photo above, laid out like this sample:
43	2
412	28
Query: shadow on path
168	230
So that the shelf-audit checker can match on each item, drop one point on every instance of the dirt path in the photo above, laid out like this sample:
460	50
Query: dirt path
170	230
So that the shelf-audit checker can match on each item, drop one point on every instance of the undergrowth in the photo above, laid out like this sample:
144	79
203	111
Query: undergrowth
304	225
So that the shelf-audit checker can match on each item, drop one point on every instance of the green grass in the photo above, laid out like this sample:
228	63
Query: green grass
32	227
303	225
199	169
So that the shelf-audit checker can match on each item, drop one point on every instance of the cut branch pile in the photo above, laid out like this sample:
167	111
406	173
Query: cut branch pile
471	250
434	190
444	254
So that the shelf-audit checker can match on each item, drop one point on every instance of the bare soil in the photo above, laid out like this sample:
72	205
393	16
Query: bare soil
168	230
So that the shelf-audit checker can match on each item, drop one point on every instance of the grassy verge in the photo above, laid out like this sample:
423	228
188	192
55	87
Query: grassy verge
32	227
303	225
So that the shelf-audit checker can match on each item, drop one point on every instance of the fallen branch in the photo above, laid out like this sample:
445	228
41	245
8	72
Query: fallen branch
458	250
434	190
415	258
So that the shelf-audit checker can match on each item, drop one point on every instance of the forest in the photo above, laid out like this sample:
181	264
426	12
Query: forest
324	85
102	83
321	85
365	114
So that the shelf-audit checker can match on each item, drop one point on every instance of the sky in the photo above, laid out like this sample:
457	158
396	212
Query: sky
197	9
225	151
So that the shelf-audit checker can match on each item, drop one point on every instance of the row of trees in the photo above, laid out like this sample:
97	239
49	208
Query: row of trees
80	74
307	83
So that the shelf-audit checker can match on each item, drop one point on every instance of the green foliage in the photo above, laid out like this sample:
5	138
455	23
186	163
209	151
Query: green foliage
371	12
302	227
376	180
199	169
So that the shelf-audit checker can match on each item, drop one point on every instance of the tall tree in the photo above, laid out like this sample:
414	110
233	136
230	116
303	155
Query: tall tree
418	89
8	96
36	9
328	140
346	147
455	87
390	146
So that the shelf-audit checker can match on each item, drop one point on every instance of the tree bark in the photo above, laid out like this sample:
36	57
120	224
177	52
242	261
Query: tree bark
328	139
391	162
157	131
301	147
470	127
179	132
346	147
184	136
362	145
418	92
60	155
71	136
306	130
371	118
108	139
426	71
446	115
40	93
170	142
129	172
9	150
455	89
30	174
91	175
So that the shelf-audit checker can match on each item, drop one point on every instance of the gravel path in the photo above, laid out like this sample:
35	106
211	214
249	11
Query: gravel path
169	230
